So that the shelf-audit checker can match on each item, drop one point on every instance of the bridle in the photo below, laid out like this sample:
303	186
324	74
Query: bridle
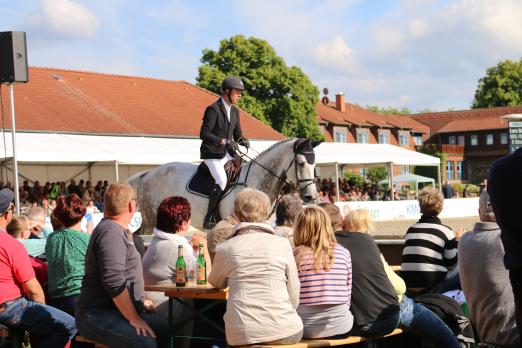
281	178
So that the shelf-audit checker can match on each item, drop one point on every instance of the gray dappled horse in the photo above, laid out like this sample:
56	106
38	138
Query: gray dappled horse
288	160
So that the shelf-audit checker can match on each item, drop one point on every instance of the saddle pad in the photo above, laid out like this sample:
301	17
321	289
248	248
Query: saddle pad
201	182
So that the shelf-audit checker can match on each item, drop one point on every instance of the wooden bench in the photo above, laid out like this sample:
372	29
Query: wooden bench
86	340
327	342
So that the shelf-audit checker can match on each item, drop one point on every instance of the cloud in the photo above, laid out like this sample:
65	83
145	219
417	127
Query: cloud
64	19
335	54
418	28
388	37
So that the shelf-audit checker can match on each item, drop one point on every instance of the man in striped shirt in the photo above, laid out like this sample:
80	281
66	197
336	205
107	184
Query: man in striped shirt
430	249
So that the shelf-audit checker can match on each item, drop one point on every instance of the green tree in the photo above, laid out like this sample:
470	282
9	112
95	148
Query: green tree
389	110
502	86
376	174
281	96
431	172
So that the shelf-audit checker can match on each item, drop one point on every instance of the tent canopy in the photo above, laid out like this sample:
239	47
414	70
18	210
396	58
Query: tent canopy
367	154
76	148
408	177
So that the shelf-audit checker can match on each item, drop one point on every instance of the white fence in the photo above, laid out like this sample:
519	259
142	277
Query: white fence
409	210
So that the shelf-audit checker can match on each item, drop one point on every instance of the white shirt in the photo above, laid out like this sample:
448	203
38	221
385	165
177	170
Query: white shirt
227	108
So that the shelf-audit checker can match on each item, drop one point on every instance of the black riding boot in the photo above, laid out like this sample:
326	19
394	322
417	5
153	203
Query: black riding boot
211	219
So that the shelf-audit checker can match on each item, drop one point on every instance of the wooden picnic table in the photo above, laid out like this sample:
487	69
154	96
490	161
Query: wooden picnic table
192	291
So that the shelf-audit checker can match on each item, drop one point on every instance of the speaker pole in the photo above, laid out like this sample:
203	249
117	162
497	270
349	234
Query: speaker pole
15	163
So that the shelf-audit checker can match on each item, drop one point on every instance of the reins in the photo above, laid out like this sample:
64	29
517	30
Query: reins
281	178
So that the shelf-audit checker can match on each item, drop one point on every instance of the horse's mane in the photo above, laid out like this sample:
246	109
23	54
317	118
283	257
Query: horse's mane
273	146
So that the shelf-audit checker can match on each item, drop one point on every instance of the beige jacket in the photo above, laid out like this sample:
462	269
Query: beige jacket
261	273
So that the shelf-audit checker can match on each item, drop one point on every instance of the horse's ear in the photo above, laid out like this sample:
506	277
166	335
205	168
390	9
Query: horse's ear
316	143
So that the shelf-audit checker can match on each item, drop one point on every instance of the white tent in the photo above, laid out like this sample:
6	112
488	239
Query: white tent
409	178
364	154
41	149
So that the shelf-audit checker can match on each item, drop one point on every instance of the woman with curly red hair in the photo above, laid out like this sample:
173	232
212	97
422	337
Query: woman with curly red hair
65	250
159	261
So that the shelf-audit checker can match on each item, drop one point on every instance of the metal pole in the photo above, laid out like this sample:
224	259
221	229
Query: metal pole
15	163
116	171
390	177
337	180
439	179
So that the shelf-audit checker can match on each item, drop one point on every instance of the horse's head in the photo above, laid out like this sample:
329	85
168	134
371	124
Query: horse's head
304	168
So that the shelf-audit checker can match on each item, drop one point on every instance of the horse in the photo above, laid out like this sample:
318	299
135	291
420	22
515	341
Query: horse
288	160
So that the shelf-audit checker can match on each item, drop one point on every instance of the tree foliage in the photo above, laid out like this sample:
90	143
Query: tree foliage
389	110
376	174
281	96
431	172
502	86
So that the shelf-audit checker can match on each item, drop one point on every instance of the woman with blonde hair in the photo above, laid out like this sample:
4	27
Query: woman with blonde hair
259	269
325	273
358	220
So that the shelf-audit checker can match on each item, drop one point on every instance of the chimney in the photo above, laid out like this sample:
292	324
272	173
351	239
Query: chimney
339	102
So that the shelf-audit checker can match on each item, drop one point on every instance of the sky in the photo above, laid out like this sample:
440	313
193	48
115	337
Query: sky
412	53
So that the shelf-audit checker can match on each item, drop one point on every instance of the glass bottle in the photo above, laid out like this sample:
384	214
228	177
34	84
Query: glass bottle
201	267
181	268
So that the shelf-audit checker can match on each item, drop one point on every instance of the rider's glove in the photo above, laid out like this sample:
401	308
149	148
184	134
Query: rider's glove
244	142
230	144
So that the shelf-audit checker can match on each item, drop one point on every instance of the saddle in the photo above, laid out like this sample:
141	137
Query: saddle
202	181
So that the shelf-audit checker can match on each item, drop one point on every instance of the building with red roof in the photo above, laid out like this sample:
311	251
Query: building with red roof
471	139
67	101
346	122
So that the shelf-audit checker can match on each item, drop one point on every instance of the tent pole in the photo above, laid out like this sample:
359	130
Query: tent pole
337	180
390	177
439	179
116	171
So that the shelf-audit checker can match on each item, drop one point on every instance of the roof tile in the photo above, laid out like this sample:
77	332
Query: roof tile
85	102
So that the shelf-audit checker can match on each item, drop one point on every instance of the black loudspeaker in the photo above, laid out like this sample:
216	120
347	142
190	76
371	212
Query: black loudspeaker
13	57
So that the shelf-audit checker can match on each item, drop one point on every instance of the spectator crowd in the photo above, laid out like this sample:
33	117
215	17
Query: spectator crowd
315	274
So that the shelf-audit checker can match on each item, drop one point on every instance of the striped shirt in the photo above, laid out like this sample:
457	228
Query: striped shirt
332	287
430	250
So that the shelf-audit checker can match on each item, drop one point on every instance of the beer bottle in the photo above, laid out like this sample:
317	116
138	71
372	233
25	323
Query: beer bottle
181	268
201	267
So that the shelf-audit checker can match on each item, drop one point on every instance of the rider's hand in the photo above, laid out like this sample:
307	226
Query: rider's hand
244	142
232	145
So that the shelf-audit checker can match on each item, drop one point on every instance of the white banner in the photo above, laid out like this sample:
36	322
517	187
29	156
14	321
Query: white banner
409	210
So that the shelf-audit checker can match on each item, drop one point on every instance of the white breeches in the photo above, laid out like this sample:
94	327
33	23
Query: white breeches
217	169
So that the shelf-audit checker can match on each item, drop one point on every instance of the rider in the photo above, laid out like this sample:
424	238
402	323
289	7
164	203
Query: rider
220	131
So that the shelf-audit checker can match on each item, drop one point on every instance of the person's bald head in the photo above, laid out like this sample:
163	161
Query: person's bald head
486	213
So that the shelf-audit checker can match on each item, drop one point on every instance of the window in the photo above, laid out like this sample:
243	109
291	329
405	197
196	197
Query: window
384	137
462	140
452	140
363	172
460	170
403	138
504	139
450	174
418	140
362	136
489	139
474	140
340	137
405	169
